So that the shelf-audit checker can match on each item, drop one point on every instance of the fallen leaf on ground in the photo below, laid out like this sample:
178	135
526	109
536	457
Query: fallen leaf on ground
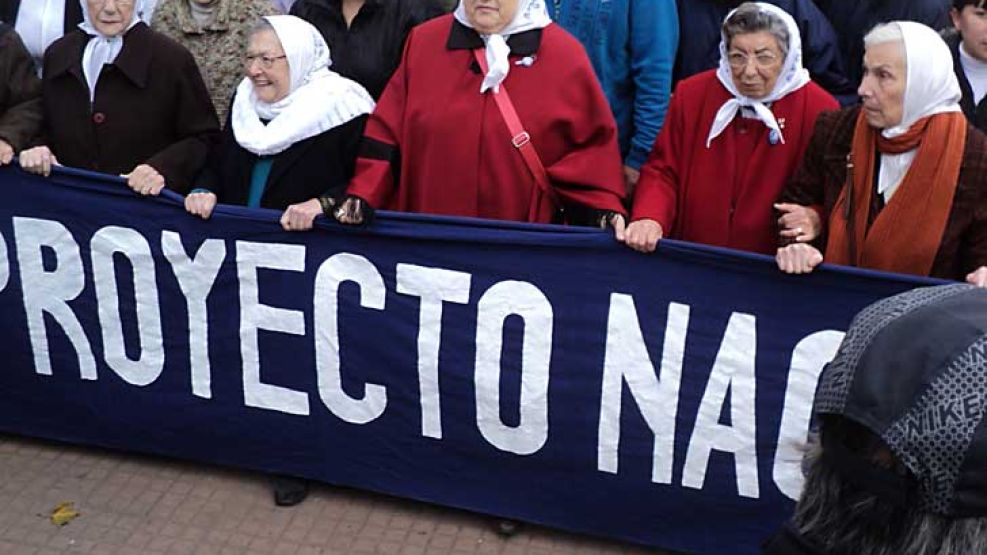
64	513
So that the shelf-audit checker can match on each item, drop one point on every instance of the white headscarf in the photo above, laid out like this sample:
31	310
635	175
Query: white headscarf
930	88
792	78
318	101
531	14
102	49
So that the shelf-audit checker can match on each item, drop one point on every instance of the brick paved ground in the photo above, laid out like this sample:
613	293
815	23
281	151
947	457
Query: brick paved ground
132	504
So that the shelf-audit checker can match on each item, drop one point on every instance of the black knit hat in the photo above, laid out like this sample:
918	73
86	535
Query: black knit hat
912	369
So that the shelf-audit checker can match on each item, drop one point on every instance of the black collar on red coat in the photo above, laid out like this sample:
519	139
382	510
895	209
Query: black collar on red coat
462	37
134	60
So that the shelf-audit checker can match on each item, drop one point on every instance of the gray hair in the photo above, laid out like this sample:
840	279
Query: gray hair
260	26
749	18
839	517
884	32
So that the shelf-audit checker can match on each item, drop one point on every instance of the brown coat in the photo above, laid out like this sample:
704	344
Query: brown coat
20	92
151	107
822	175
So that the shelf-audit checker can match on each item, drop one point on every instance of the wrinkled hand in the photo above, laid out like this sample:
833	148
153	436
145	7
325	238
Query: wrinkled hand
6	152
615	221
145	180
798	258
642	235
798	223
631	176
200	204
978	277
299	217
38	160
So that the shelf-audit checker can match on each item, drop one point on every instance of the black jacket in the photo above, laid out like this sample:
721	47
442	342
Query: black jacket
73	12
20	92
369	50
976	114
317	166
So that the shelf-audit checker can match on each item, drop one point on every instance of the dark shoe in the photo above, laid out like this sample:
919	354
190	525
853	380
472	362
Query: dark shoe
289	491
506	528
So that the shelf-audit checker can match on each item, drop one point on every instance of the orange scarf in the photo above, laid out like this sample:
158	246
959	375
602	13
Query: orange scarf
905	236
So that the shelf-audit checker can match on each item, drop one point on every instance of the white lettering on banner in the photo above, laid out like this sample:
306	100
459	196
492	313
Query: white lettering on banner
49	292
339	268
196	277
808	359
733	372
255	316
433	286
106	243
4	263
504	299
627	361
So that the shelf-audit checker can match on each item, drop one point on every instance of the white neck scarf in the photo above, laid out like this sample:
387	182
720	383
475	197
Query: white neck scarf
102	49
318	101
931	88
792	78
531	14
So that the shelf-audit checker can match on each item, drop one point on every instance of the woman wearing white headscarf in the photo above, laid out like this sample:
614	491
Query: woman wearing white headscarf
438	143
898	183
120	98
731	139
294	129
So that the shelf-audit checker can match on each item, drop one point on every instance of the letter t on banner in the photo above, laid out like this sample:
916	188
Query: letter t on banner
433	286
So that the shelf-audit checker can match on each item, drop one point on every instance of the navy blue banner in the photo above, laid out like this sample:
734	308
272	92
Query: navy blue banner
542	373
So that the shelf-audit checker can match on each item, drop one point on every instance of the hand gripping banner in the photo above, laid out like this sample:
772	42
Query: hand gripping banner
541	373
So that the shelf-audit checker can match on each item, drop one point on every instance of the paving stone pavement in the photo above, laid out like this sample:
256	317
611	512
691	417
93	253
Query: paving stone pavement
135	504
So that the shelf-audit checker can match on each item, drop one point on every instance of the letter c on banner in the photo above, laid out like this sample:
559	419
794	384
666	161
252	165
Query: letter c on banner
505	299
4	263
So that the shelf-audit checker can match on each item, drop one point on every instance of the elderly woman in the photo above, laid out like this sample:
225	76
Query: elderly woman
731	139
20	96
294	130
444	140
366	36
120	98
898	183
214	31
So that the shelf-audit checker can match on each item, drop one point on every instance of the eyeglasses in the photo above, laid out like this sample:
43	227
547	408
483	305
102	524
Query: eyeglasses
738	60
266	62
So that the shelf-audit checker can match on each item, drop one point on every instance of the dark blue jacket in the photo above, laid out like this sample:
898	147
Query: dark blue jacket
631	44
852	19
701	20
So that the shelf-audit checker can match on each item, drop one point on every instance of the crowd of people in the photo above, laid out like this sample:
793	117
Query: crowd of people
785	127
810	130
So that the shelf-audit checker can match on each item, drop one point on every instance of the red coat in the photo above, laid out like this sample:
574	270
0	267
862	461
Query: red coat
453	147
723	195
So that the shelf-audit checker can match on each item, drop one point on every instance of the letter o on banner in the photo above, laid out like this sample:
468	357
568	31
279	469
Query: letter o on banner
4	263
523	299
107	242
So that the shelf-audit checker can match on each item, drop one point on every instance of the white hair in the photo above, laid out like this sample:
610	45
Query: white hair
884	32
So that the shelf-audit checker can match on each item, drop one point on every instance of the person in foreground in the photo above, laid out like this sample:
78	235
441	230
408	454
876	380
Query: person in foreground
120	98
732	138
896	184
439	141
899	465
20	96
294	129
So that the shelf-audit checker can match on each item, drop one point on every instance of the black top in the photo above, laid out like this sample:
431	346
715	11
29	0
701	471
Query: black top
320	165
370	49
789	542
73	13
976	114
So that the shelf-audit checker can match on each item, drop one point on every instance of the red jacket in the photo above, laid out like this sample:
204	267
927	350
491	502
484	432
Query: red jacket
723	195
452	147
